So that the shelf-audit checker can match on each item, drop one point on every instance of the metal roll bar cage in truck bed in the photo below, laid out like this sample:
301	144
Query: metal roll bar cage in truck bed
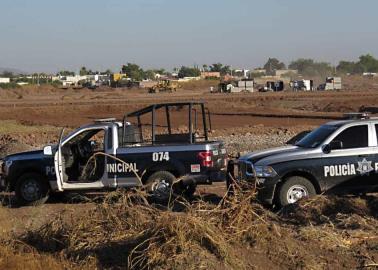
170	137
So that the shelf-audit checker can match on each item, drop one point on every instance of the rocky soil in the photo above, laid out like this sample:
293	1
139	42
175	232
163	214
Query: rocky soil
243	140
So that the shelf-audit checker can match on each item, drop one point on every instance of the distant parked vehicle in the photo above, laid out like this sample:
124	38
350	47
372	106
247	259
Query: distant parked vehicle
164	86
273	86
321	87
236	86
332	83
302	85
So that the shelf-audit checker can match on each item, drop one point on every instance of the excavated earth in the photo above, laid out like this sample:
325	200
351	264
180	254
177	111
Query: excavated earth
123	230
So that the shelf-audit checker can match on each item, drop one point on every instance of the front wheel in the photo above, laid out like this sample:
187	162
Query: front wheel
294	189
31	189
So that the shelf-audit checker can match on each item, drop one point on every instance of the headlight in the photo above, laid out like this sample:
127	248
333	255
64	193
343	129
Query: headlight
5	166
265	171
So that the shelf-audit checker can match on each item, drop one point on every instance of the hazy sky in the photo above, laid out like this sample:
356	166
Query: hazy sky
50	35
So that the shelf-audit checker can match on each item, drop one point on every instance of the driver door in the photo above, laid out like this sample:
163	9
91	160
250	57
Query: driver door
352	165
58	162
60	168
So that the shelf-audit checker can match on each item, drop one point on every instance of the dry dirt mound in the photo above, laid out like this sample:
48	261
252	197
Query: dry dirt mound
126	231
10	145
343	212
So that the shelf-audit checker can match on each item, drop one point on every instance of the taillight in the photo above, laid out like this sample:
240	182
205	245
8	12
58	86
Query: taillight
206	158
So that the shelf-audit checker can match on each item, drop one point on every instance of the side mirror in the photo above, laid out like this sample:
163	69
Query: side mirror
47	150
334	145
326	149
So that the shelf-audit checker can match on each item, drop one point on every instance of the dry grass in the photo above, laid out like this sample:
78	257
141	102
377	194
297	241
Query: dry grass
31	260
11	126
126	231
199	85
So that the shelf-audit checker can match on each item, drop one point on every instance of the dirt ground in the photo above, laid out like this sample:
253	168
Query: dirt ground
327	233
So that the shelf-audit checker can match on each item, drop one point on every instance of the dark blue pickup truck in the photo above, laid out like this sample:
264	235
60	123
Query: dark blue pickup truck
109	154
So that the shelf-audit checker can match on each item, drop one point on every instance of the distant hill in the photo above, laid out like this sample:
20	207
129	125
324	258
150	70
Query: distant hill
13	70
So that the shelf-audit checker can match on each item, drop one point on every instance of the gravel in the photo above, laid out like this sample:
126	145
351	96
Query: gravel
248	142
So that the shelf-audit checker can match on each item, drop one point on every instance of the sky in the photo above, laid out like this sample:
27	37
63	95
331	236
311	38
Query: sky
51	35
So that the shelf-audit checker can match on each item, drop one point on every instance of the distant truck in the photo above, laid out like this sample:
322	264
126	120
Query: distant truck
109	154
302	85
273	86
332	83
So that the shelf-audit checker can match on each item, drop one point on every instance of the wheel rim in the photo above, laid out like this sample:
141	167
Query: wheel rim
31	190
296	193
161	188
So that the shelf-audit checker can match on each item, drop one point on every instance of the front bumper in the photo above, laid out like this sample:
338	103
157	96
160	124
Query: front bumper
242	171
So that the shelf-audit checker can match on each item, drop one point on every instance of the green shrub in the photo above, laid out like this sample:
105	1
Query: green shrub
9	85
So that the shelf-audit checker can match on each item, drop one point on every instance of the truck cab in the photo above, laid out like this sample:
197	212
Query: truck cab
110	154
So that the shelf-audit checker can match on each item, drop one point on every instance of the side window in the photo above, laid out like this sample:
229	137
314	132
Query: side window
354	137
99	139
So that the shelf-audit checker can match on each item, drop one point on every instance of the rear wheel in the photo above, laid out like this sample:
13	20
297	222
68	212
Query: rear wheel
159	185
294	189
31	189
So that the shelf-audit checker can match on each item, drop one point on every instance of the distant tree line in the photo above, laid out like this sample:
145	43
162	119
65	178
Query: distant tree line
305	67
310	67
366	63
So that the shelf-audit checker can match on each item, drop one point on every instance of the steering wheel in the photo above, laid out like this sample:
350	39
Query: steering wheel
85	149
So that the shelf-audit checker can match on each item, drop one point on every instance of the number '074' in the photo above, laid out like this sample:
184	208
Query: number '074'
160	156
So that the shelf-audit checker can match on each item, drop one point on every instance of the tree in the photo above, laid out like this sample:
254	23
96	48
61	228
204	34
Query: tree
83	71
7	74
149	74
66	73
346	67
301	64
366	63
188	72
218	67
133	71
308	67
369	63
272	65
160	71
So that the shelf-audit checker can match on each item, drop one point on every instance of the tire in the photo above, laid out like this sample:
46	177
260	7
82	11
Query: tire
159	185
31	189
294	189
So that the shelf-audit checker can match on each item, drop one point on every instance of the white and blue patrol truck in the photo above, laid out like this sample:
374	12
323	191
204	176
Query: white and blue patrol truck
110	154
338	157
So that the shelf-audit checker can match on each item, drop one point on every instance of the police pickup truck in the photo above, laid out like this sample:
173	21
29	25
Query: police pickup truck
338	157
119	154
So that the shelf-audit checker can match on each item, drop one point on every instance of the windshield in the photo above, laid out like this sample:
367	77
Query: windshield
317	137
